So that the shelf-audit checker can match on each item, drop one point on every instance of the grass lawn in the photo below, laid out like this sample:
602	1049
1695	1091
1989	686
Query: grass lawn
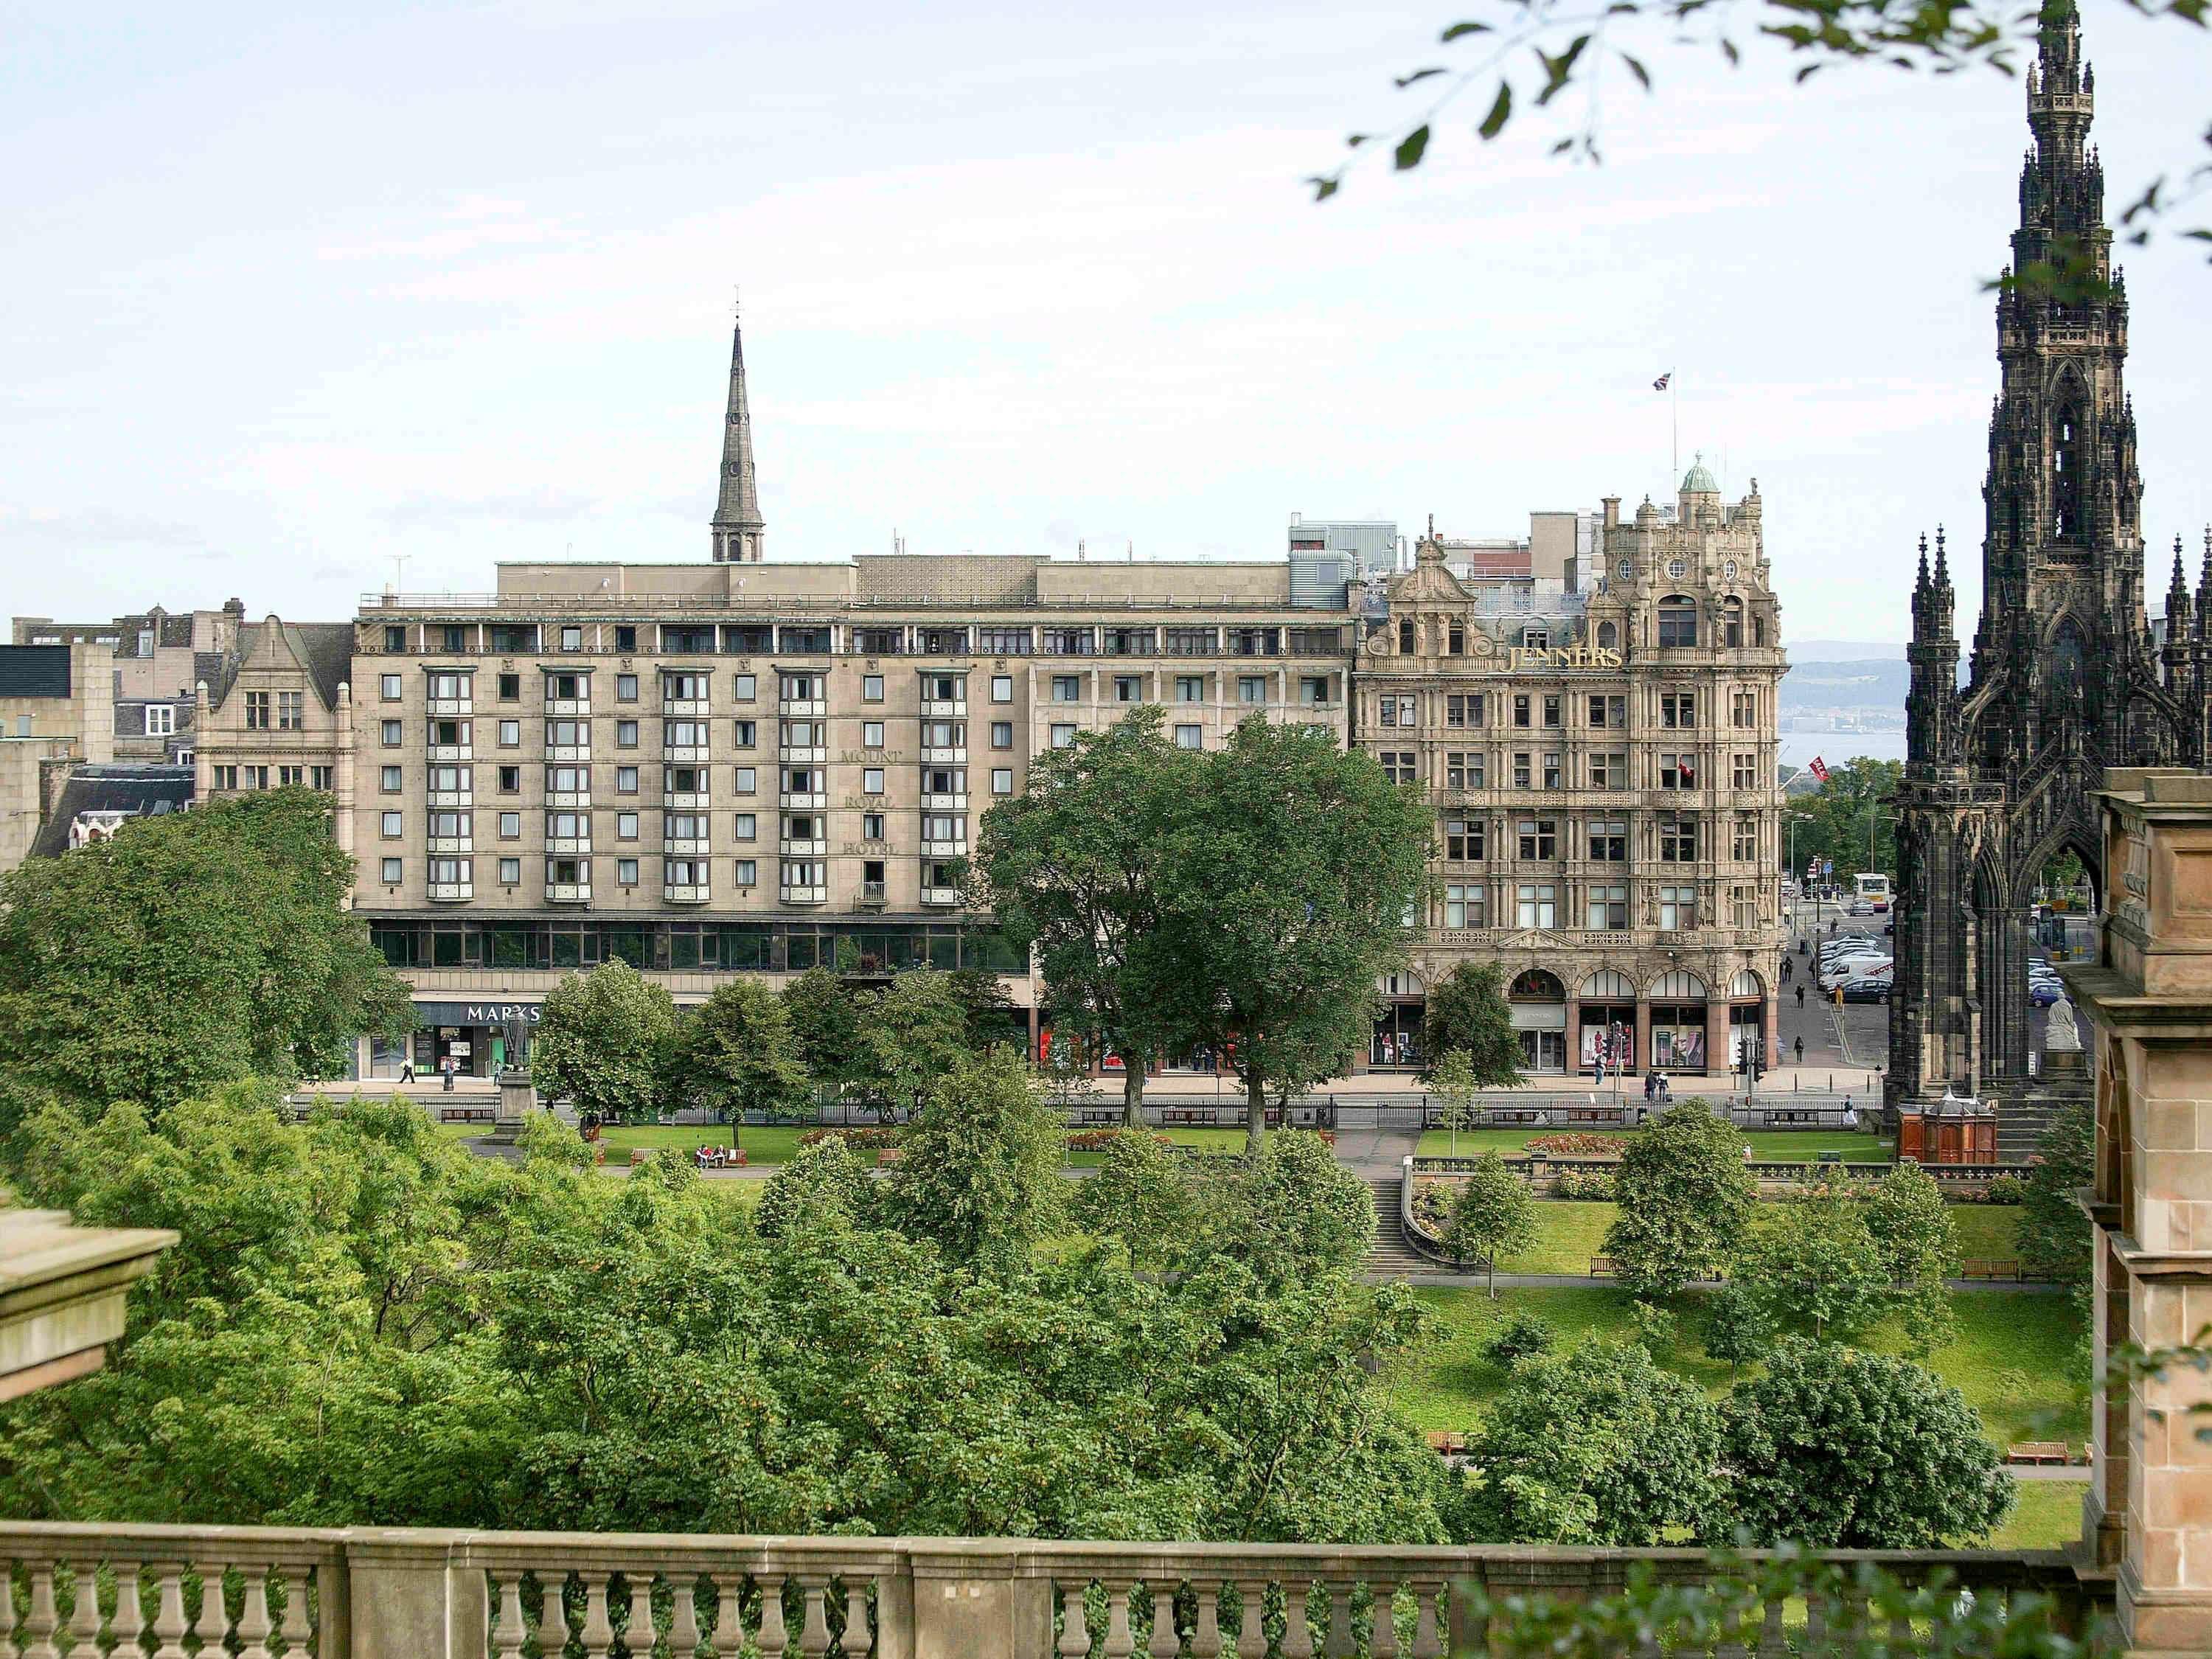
1571	1231
2047	1515
1806	1144
2013	1358
1987	1230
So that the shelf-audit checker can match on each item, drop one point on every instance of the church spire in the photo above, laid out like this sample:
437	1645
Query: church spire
737	526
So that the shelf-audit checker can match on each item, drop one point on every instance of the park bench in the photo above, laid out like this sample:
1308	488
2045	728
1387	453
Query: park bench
2036	1451
1978	1267
888	1156
468	1114
1601	1267
1188	1116
1445	1443
1096	1117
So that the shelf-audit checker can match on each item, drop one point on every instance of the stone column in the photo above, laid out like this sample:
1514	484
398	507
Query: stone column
1716	1033
1642	1058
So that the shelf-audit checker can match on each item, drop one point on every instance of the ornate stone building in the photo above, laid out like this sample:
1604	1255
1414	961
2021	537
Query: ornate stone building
1599	739
2064	678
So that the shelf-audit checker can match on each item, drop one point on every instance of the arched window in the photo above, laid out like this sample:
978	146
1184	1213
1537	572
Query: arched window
1608	636
2063	665
1406	636
1678	620
1536	639
2069	455
1534	985
1732	622
1746	984
1608	985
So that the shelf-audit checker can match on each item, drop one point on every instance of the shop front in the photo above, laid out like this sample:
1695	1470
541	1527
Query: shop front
1395	1045
1537	1004
479	1038
1605	1014
1748	1023
1678	1023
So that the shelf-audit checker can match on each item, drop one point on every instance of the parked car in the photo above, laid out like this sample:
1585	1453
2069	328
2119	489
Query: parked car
2042	994
1844	974
1866	990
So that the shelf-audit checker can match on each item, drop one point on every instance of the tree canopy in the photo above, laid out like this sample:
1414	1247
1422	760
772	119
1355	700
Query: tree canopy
1492	1216
1845	821
187	951
1468	1014
605	1041
737	1054
1684	1198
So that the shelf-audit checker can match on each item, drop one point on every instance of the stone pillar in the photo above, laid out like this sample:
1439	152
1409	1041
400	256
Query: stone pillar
1717	1034
2148	1001
516	1098
1642	1032
1574	1036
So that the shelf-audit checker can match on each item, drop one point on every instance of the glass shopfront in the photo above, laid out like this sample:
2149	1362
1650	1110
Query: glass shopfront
479	1038
1678	1022
1537	1004
1396	1043
1606	1014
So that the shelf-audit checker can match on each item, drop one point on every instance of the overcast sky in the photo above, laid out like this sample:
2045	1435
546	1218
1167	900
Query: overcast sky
299	290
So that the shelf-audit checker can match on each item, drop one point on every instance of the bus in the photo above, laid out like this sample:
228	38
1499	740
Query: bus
1874	888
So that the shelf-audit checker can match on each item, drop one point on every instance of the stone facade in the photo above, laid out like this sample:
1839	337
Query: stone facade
2148	1005
56	711
159	658
2065	680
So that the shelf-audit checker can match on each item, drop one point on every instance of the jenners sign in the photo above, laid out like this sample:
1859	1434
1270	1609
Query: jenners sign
1563	656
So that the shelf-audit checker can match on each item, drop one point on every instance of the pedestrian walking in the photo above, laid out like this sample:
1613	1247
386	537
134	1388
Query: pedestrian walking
1650	1086
1801	997
1799	1046
445	1066
1666	1087
407	1069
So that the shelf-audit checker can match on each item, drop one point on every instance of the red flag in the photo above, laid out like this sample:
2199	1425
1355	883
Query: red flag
1819	768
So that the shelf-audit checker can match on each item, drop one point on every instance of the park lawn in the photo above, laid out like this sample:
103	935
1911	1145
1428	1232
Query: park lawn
2047	1517
1805	1144
1569	1232
1987	1230
2014	1357
762	1143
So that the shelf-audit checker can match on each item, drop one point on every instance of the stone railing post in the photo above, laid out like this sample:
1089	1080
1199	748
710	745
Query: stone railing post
410	1599
964	1601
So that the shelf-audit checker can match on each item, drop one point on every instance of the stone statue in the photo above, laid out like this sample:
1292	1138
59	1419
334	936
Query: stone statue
2061	1035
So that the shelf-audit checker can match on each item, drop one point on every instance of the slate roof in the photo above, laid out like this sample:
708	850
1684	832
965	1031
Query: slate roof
141	791
34	670
327	649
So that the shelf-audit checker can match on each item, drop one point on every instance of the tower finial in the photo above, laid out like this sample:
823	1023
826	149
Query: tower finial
738	528
1921	585
1942	561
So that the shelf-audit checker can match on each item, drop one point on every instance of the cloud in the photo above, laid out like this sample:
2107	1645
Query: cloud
546	506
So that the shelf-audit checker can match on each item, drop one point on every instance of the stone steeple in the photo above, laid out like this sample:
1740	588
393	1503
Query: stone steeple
739	529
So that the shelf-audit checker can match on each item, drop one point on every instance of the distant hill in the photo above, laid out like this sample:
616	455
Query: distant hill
1876	683
1843	650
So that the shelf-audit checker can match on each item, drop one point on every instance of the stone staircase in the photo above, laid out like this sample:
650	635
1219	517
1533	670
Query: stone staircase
1392	1255
2021	1124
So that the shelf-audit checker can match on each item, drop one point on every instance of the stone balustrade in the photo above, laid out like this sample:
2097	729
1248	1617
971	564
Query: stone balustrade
81	1590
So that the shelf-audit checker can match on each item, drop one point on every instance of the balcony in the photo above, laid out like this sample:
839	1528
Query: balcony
953	803
817	895
672	895
344	1593
568	708
683	754
798	708
815	848
450	751
684	800
567	843
870	897
568	892
454	843
813	801
686	708
686	846
568	798
451	892
944	756
940	896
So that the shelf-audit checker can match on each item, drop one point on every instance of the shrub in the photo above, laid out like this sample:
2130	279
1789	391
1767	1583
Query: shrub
1579	1145
1656	1328
1432	1203
1520	1336
2005	1190
1596	1185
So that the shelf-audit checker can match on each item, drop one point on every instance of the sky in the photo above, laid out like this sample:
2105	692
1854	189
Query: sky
309	298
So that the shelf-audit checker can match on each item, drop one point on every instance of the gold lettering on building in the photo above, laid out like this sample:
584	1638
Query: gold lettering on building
1563	656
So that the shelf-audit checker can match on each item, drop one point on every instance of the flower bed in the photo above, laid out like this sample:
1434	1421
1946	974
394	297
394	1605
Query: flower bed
1578	1145
860	1139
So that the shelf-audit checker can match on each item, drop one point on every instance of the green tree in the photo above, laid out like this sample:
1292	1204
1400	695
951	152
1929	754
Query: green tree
1685	1197
824	1183
737	1054
2053	1235
1737	1330
1453	1076
1296	868
1468	1014
979	1172
1074	868
825	1024
1145	1195
1912	1227
188	951
1797	1442
1294	1212
1492	1216
1595	1446
912	1033
603	1041
1812	1265
1836	821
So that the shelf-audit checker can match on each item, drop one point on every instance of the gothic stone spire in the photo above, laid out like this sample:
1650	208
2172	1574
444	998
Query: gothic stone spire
738	527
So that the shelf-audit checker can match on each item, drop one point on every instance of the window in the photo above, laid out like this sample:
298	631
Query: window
1190	736
395	638
744	780
626	872
510	734
1732	622
1456	639
321	777
684	872
1678	908
626	688
1462	711
1678	621
1523	772
1128	688
1002	734
291	775
748	872
1465	770
387	687
393	826
1066	688
1536	639
1002	687
1551	708
1609	711
625	636
872	688
944	780
1539	904
1539	838
1190	688
390	868
389	779
1520	709
160	720
743	687
1399	711
1552	772
1743	909
1678	837
746	825
871	781
1608	770
225	777
1743	771
1464	907
625	826
1608	636
510	779
1607	910
1398	765
1743	708
1678	771
572	639
879	642
625	780
291	710
1462	839
391	732
1063	737
255	777
626	732
1250	688
1003	642
1002	780
1405	637
510	872
1313	688
1609	840
747	733
871	734
871	826
1677	708
1745	840
510	688
256	712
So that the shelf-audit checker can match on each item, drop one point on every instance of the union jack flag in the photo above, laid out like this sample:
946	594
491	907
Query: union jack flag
1660	385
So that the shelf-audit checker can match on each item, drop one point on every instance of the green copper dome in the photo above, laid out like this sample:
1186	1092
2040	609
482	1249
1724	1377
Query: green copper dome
1699	480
